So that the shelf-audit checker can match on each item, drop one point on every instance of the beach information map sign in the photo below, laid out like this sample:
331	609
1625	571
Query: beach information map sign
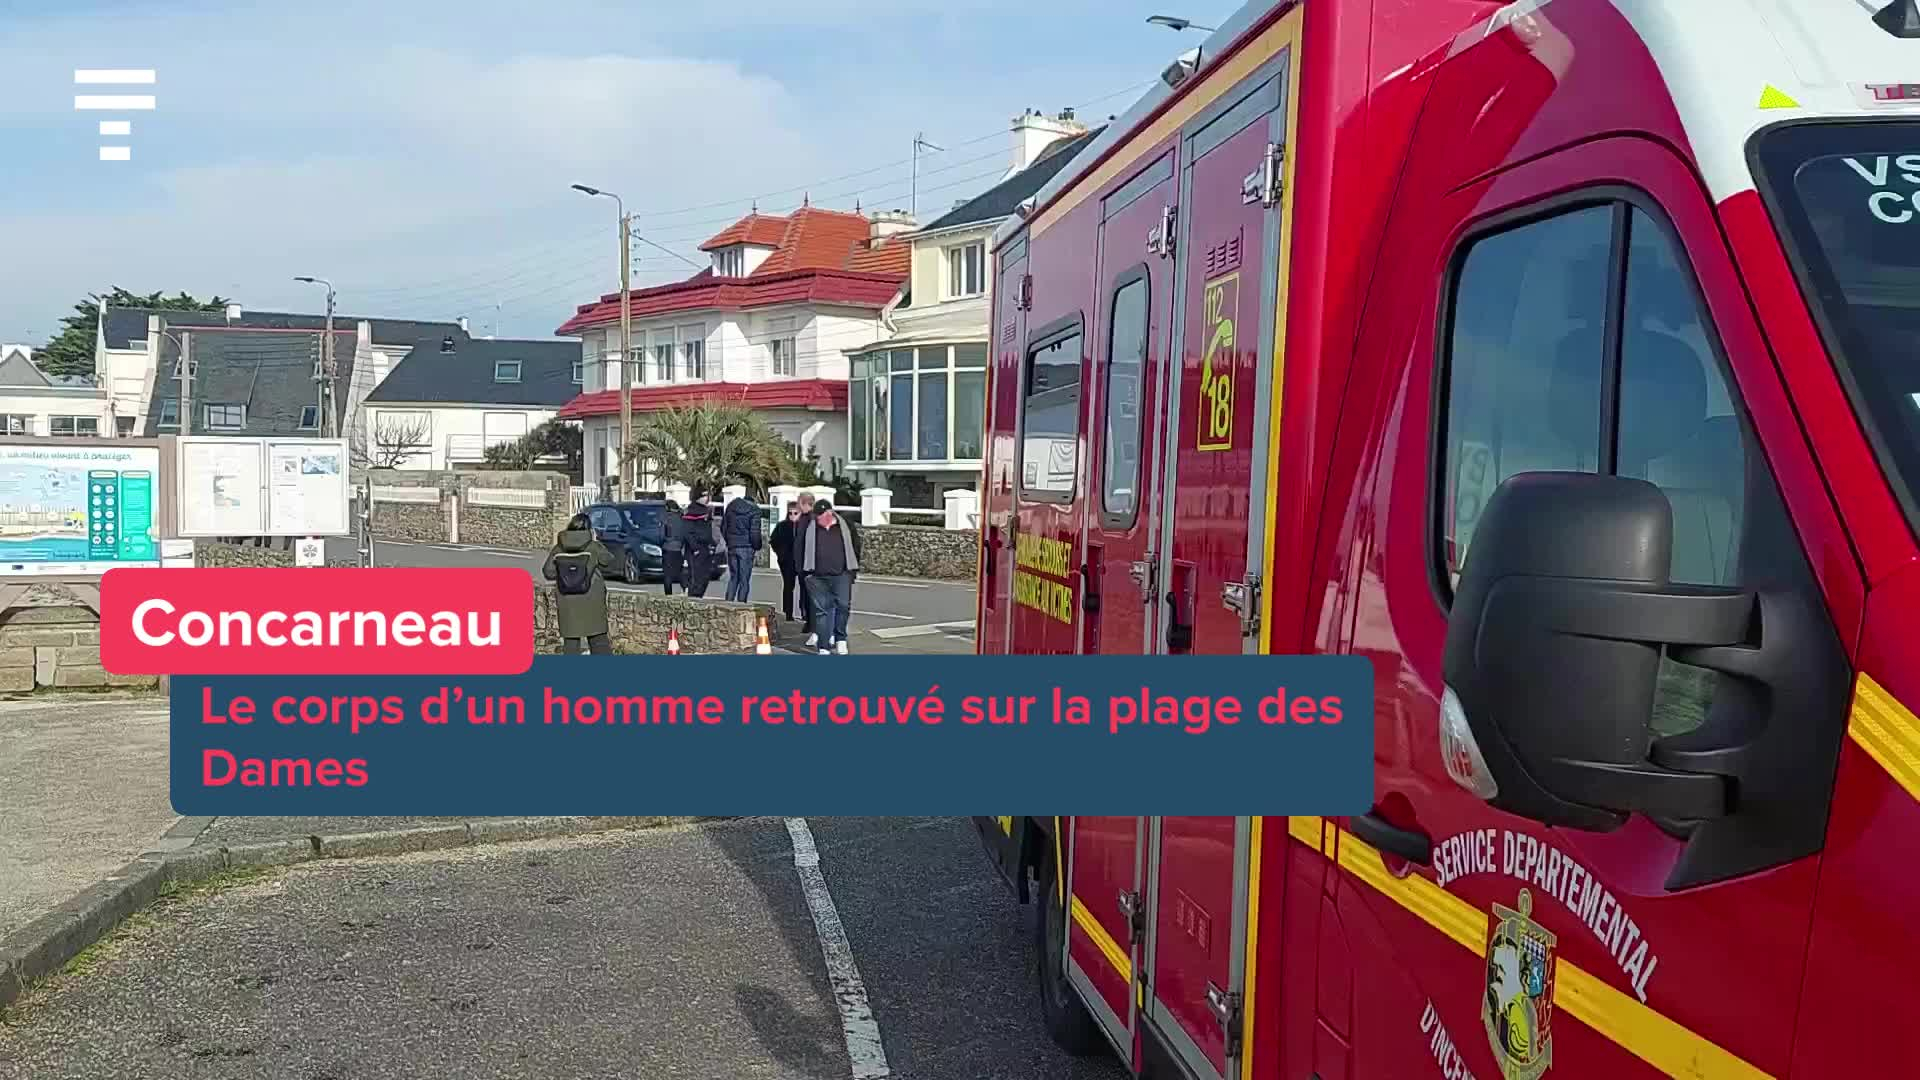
78	510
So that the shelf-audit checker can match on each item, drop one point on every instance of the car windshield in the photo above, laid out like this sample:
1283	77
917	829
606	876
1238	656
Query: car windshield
645	518
1847	198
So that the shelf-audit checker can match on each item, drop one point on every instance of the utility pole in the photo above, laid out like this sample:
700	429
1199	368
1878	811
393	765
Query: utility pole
919	141
186	383
626	356
323	371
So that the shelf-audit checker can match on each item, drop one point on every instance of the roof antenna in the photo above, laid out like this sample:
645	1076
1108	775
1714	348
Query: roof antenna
1900	18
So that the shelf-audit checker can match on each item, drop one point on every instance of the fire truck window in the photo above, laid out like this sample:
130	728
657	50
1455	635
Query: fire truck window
1524	361
1126	356
1677	424
1051	428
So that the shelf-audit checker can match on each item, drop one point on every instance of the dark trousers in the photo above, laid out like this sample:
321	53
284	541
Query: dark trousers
789	577
699	571
673	569
739	574
598	643
832	603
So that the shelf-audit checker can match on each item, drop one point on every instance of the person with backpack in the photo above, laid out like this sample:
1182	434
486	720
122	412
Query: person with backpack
740	528
699	534
578	566
673	549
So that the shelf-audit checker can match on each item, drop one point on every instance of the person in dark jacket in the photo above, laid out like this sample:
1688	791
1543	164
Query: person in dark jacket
673	549
830	555
698	533
578	561
740	530
786	554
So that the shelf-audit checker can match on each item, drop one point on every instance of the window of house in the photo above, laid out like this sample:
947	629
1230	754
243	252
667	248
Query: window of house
73	426
507	371
693	351
932	392
1050	428
16	424
309	417
925	404
662	354
1126	357
579	373
731	262
169	412
859	407
969	401
227	417
1528	360
123	426
900	435
966	270
783	356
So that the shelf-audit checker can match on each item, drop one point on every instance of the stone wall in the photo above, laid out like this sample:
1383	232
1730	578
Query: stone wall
920	551
209	553
498	526
639	623
55	642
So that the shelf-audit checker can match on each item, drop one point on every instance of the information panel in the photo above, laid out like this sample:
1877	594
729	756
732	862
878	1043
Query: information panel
262	487
306	488
77	510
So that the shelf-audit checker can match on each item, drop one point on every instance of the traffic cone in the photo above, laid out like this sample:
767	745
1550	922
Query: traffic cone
763	647
673	642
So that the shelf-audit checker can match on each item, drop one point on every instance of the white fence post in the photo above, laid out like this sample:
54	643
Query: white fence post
679	493
963	509
732	492
821	491
876	504
781	496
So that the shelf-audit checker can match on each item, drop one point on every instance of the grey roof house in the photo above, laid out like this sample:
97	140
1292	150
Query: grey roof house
452	396
33	402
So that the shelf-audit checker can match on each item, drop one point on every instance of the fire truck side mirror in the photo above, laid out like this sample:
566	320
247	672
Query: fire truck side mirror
1553	652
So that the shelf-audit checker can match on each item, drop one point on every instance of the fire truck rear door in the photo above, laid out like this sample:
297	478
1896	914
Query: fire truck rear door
1002	457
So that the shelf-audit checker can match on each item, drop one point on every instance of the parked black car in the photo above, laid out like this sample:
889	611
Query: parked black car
633	532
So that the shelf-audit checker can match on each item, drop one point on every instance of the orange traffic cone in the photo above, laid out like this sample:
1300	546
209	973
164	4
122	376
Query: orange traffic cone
762	647
673	642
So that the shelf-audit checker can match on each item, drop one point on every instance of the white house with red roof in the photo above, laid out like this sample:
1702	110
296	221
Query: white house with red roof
770	324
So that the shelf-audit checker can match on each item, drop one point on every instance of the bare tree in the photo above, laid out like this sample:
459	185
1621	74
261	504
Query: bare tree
393	442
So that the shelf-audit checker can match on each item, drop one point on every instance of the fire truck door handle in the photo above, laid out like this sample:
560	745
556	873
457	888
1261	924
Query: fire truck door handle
1410	844
1090	580
993	542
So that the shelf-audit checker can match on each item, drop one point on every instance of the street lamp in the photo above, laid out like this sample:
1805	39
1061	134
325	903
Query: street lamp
1178	24
324	376
625	489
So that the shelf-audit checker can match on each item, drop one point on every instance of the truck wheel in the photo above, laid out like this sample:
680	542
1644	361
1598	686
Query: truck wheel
1067	1020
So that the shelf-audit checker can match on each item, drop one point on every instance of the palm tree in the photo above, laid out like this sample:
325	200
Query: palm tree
712	444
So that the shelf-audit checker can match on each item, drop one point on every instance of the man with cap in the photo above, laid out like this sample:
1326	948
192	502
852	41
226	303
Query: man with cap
830	557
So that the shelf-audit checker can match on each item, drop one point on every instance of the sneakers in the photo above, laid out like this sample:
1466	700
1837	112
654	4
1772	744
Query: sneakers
826	652
814	639
840	647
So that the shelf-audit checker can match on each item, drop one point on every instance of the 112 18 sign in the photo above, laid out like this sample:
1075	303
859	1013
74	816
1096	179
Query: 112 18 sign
1221	308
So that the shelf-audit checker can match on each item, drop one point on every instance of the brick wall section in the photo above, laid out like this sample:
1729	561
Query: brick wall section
639	623
920	551
55	644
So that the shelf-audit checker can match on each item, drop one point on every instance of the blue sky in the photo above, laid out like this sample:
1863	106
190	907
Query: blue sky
418	152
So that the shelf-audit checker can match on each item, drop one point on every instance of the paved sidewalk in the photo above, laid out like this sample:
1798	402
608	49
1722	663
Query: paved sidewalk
83	789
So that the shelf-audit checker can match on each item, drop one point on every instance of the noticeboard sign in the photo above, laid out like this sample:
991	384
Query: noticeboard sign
78	510
262	487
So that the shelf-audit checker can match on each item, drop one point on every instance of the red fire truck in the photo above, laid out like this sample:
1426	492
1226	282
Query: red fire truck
1558	356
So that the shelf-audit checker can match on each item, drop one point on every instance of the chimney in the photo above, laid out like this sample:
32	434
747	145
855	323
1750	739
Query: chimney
463	324
1034	132
887	223
233	313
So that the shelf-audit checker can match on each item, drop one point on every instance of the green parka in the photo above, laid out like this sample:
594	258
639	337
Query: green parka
586	614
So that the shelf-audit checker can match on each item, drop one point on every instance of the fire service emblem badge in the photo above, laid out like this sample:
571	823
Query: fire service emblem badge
1518	1006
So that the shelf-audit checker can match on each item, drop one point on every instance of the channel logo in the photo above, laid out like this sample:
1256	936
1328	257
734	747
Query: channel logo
114	103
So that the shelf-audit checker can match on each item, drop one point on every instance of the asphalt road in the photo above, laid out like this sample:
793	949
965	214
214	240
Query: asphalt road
889	614
684	954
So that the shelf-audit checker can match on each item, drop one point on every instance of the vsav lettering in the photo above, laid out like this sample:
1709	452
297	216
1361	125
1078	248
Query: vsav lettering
1890	206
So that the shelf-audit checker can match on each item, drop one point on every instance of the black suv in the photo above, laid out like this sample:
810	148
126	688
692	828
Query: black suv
633	533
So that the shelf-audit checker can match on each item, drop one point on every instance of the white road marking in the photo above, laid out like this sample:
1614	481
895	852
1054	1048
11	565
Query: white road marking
901	583
864	1050
921	630
882	614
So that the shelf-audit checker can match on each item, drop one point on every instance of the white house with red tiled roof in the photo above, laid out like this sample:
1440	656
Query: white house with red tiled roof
770	323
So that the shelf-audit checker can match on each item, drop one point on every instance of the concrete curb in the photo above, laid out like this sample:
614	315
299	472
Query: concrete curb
45	945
